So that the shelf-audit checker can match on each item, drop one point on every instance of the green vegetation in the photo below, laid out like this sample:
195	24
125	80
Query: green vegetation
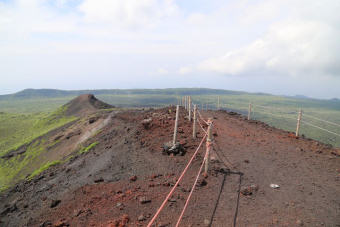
19	129
15	168
43	168
88	148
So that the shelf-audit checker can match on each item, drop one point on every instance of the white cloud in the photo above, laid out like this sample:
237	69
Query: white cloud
128	13
135	38
162	71
185	70
296	46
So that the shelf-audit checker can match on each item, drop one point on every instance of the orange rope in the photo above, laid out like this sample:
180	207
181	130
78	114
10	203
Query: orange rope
192	189
201	126
199	114
174	187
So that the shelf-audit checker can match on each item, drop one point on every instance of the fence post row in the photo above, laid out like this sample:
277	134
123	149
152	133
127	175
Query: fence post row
176	125
194	124
298	123
249	111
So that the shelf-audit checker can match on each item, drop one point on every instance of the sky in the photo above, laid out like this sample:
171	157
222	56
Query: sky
283	47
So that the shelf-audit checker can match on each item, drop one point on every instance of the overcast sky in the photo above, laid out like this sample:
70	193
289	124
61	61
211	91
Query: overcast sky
282	47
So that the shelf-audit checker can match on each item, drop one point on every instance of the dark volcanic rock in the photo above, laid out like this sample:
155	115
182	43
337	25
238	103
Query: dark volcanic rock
55	203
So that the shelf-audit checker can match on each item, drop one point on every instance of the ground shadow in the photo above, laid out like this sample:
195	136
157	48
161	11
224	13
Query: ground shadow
225	174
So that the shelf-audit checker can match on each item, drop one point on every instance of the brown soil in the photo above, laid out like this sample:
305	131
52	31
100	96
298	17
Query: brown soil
125	178
84	105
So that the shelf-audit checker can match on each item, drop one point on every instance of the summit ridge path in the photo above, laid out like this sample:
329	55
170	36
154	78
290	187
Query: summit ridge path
124	179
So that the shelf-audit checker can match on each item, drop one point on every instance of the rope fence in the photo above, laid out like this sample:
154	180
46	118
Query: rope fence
286	118
192	112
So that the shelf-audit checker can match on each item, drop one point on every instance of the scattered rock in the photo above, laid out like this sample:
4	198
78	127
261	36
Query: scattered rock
154	176
74	133
61	223
55	203
233	113
299	222
58	137
172	200
141	218
76	213
246	161
92	119
100	179
124	220
249	190
45	224
144	200
147	123
202	183
9	209
275	186
133	178
170	148
206	222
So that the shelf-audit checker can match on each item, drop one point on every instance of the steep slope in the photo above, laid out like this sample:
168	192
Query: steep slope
123	179
84	105
52	138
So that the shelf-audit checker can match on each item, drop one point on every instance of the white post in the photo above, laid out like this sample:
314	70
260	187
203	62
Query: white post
189	108
186	102
249	111
194	124
298	123
176	125
209	144
218	102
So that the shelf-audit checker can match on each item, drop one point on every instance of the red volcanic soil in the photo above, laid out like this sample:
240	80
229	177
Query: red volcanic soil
85	104
125	178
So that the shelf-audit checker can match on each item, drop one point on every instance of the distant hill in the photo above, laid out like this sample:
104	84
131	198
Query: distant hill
84	104
53	93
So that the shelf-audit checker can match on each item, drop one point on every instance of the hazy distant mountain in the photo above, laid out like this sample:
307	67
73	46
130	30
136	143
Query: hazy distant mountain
49	93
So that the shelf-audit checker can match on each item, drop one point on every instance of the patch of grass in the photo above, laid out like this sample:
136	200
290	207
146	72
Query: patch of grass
43	168
19	129
88	148
16	168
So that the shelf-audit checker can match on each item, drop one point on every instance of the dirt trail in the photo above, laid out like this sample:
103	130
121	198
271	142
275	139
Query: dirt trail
125	178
